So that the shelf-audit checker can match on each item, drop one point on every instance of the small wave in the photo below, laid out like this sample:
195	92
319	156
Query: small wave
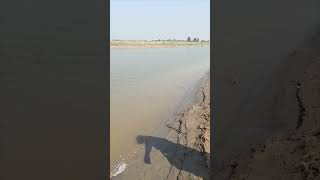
118	170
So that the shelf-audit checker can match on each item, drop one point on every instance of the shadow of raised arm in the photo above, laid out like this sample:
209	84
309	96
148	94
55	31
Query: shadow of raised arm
184	158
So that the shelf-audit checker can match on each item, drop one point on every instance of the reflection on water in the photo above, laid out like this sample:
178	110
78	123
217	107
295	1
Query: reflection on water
146	87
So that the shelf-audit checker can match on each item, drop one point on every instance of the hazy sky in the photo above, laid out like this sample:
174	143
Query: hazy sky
159	19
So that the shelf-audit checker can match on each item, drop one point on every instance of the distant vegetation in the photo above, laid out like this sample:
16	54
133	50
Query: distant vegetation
116	43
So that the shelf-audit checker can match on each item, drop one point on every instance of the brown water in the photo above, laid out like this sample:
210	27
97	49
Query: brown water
146	88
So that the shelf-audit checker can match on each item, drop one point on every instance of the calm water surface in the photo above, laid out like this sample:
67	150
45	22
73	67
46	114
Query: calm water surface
146	87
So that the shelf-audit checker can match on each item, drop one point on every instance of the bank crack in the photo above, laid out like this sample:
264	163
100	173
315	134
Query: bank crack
302	109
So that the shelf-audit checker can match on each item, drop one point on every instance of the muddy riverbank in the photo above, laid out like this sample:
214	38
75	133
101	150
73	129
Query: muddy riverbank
294	154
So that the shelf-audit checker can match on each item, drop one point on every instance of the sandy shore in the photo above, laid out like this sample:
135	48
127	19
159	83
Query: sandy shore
126	44
180	149
294	154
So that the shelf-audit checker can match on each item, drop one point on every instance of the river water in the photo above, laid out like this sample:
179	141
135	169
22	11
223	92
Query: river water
146	86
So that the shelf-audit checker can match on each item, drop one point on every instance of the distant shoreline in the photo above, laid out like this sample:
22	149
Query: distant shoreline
129	44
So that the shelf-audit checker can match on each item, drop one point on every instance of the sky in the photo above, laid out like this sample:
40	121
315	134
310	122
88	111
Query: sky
159	19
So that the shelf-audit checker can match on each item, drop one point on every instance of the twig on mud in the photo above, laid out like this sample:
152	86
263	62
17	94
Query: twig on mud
171	127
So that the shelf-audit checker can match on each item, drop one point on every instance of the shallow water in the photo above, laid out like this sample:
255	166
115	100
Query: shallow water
146	88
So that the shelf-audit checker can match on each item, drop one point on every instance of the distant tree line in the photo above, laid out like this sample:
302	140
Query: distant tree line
189	39
194	39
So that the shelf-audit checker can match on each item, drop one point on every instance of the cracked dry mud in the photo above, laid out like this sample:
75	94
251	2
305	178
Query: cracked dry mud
193	132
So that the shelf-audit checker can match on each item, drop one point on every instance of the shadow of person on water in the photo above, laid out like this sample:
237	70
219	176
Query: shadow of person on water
179	156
